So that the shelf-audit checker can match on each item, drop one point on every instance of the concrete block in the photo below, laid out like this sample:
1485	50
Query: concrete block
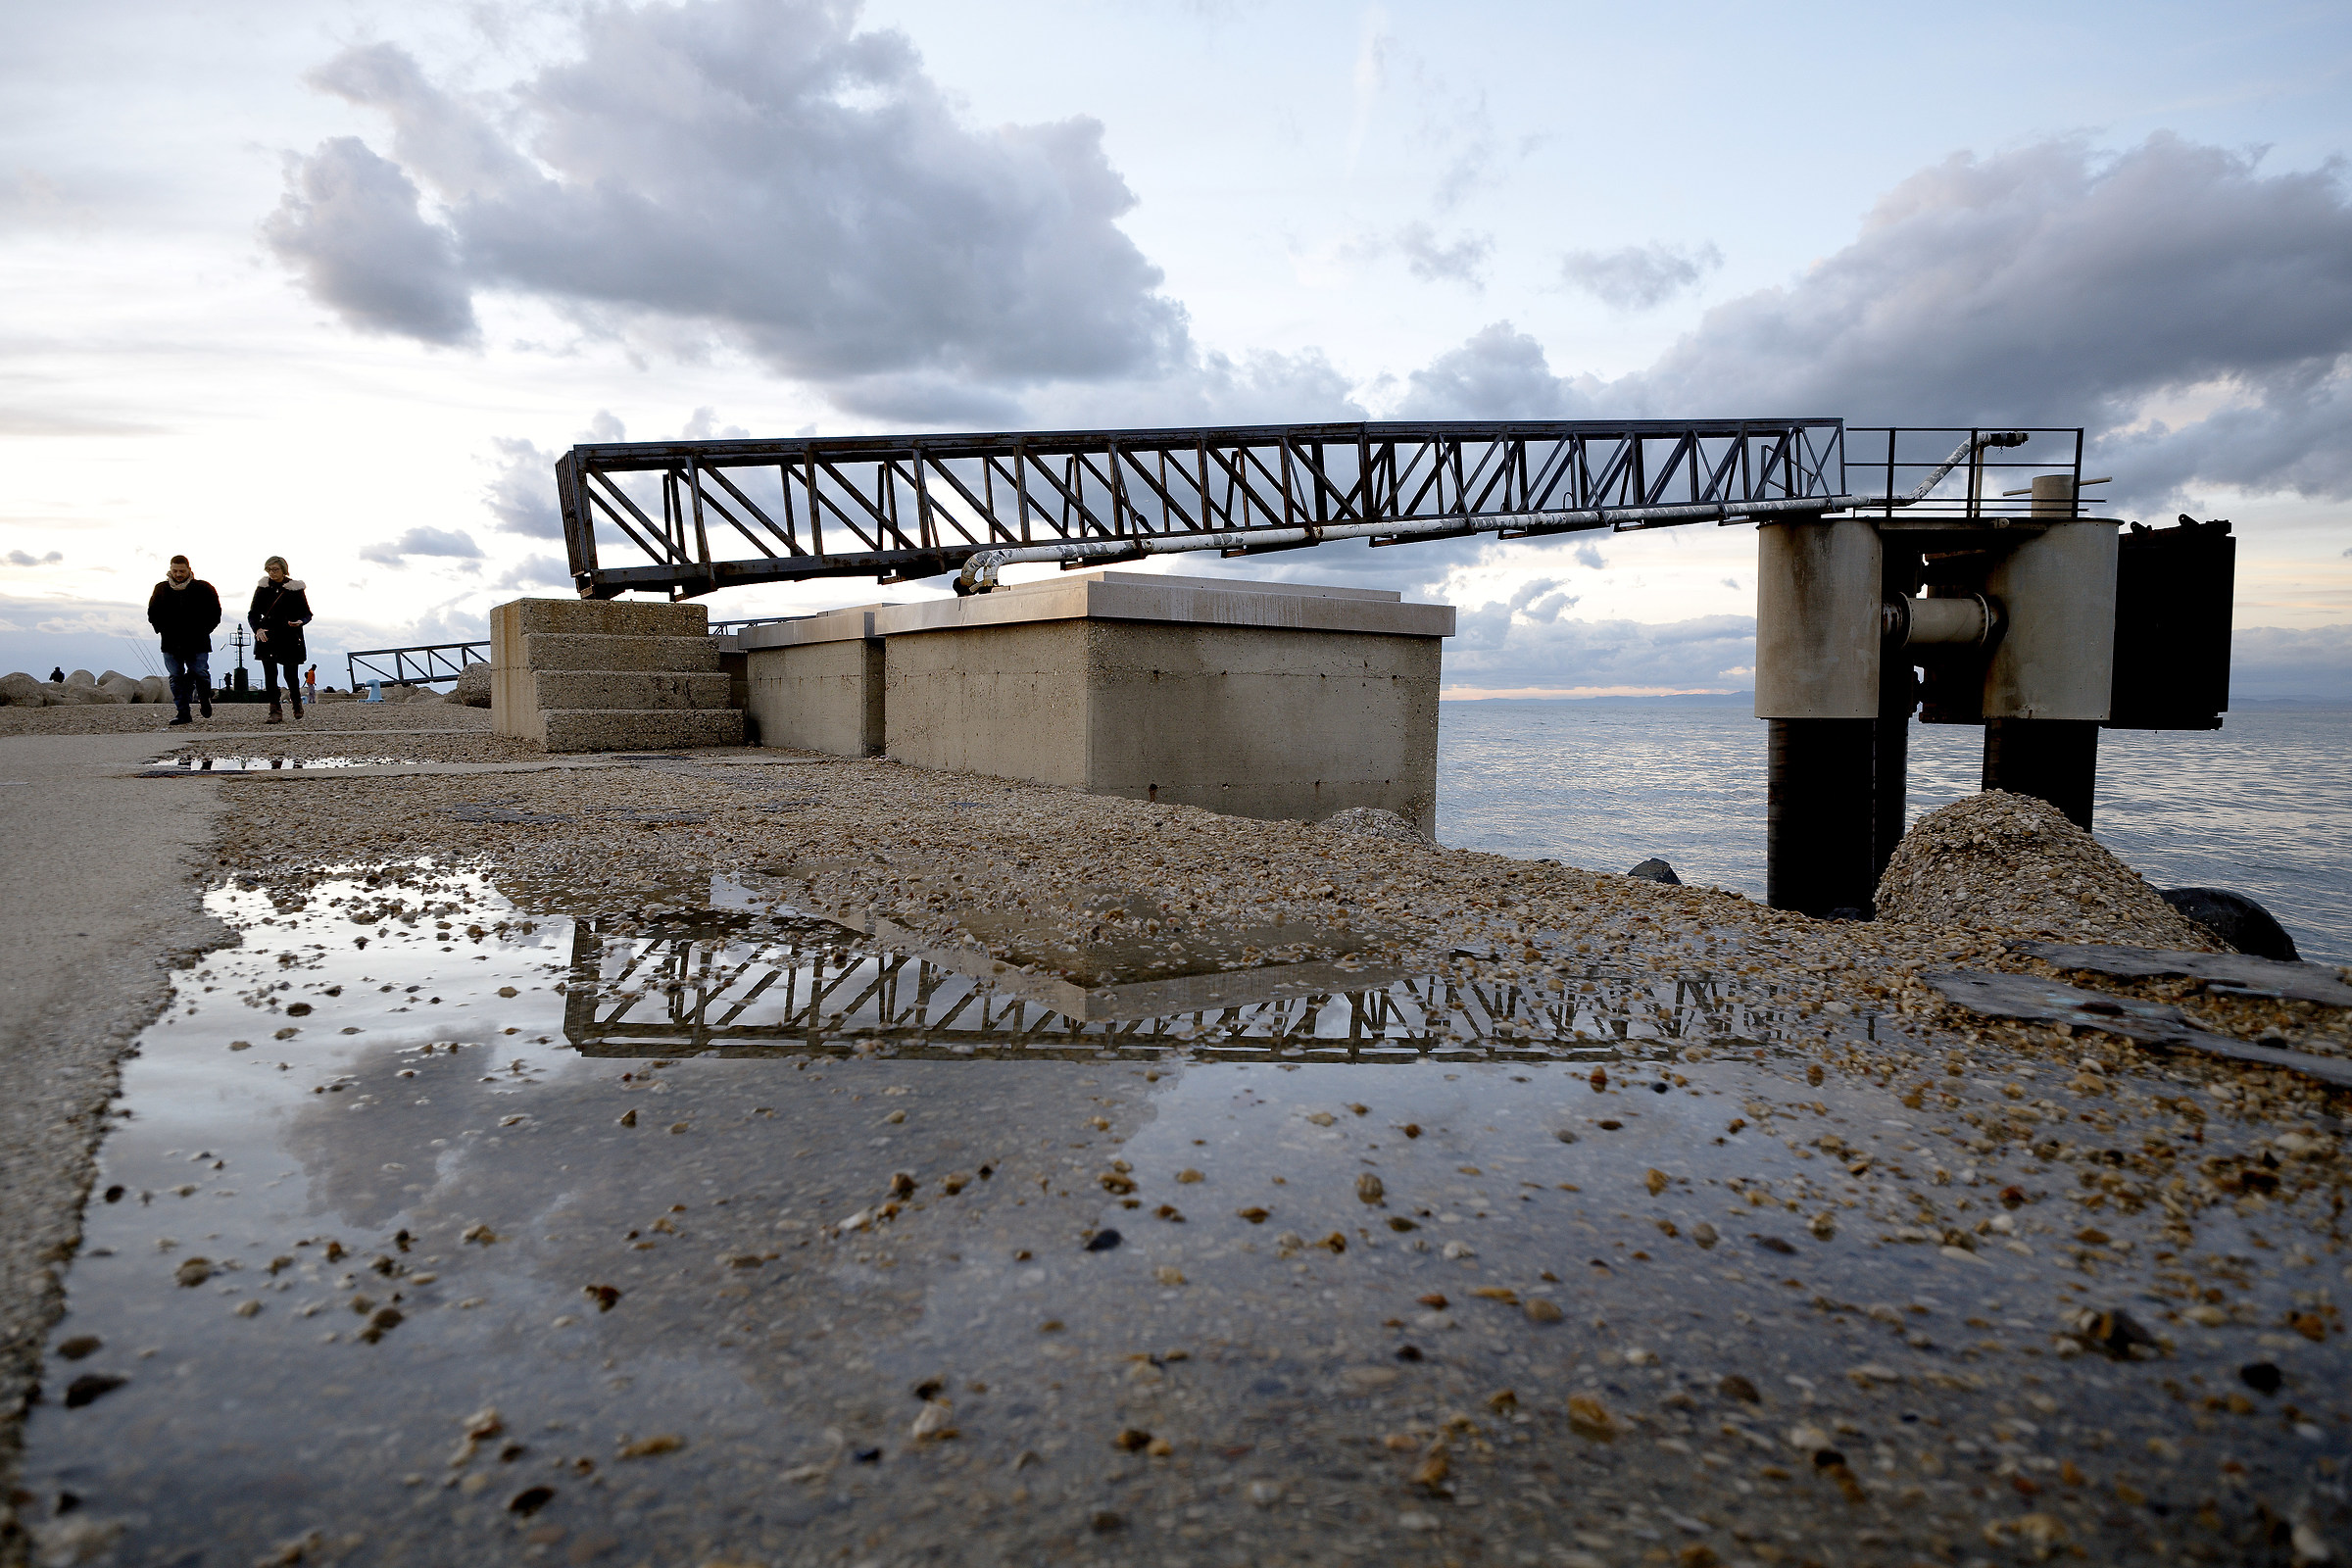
1257	700
626	729
818	683
611	617
599	650
639	690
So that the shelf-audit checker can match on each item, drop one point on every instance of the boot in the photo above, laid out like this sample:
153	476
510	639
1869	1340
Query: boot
275	717
205	705
183	717
294	700
180	692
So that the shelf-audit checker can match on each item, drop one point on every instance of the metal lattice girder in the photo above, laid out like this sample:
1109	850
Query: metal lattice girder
709	514
423	664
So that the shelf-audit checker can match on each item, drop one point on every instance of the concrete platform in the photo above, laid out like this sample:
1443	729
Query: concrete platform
816	683
1265	700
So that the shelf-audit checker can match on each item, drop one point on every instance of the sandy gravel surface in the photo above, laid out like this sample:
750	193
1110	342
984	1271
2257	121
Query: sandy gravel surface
1870	1280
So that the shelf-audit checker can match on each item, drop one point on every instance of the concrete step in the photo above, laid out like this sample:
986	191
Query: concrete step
592	650
561	688
607	617
640	729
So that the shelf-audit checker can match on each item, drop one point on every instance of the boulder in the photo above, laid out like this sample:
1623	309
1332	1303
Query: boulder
2005	862
473	689
1654	869
2236	919
19	690
70	695
81	678
119	686
155	689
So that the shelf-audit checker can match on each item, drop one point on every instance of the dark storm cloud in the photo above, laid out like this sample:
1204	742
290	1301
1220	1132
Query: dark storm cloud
351	228
1637	278
761	170
2048	285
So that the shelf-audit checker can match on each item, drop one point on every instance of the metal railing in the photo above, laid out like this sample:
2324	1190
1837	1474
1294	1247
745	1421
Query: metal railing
425	664
1888	468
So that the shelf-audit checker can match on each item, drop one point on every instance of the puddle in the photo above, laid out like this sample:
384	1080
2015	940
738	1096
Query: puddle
708	1219
173	767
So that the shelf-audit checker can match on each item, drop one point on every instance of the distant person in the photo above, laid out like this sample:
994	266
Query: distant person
281	609
183	609
310	684
57	676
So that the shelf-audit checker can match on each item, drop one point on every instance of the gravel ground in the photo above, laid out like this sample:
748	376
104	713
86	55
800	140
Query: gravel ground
1964	1210
2016	863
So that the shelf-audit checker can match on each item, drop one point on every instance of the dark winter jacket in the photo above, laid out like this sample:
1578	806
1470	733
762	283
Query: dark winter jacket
184	618
282	610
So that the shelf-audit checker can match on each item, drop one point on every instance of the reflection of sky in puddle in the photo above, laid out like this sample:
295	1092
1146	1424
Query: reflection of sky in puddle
388	1098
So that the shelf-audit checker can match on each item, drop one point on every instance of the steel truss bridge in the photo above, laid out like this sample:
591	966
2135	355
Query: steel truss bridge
691	518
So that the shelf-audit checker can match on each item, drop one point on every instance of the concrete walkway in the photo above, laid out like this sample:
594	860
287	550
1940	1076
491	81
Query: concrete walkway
97	895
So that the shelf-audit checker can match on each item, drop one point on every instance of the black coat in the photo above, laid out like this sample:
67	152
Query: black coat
184	618
282	610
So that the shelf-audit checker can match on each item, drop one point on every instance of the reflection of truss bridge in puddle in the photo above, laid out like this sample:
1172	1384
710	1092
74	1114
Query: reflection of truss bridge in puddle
729	983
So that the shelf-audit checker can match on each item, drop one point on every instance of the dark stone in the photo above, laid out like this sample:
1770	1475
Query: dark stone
91	1386
1735	1387
2260	1376
530	1499
1103	1240
1772	1243
81	1346
2236	919
1654	869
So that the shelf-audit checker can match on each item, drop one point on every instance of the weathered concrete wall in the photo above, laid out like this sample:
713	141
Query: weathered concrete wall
575	675
1264	723
816	684
1257	699
1009	700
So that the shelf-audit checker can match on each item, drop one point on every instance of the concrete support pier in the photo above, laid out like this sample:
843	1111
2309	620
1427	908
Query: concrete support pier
816	684
1253	698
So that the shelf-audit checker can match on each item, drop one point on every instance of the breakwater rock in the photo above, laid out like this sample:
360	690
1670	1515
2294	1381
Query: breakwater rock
1998	861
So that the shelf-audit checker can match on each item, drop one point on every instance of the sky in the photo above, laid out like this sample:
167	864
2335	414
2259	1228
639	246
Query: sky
338	280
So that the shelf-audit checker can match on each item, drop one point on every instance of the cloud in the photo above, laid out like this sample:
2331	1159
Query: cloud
2049	286
1502	646
521	492
1639	277
537	571
1500	373
453	543
1464	261
2314	664
349	226
756	170
20	557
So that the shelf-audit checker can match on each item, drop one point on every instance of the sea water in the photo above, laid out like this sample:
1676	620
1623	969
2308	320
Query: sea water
2262	806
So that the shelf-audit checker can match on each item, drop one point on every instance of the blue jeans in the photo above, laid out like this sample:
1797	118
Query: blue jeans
191	675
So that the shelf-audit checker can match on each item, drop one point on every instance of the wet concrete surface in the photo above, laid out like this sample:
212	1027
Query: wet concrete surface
450	1222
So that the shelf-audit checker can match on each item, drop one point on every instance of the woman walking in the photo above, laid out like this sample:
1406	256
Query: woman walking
281	609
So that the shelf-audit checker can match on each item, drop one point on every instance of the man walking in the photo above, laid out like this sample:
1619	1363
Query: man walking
183	609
